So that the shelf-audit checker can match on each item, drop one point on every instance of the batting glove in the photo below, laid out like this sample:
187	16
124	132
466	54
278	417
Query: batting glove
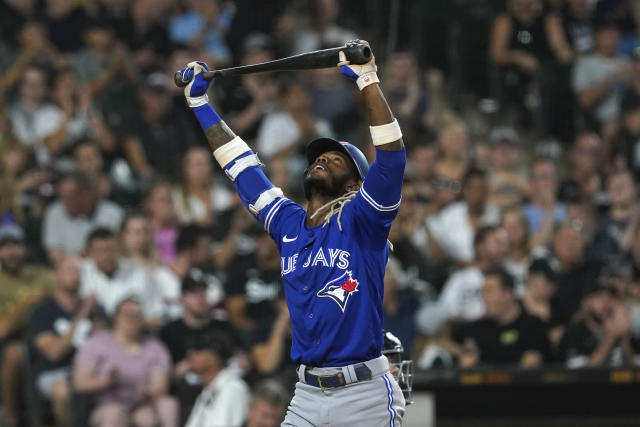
364	74
196	90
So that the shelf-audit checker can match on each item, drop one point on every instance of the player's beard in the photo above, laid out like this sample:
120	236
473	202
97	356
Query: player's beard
334	187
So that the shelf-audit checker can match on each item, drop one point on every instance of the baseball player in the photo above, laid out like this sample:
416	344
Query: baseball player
333	255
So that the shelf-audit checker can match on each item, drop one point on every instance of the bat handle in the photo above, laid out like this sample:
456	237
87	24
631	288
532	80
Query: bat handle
180	82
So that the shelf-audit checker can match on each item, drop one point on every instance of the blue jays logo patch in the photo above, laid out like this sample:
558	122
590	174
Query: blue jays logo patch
340	289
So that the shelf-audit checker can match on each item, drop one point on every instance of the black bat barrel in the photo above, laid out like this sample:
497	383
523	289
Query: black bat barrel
325	58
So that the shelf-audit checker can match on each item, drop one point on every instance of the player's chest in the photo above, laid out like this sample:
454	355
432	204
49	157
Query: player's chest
316	253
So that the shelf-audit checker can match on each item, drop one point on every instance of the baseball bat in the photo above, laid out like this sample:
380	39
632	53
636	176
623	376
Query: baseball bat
325	58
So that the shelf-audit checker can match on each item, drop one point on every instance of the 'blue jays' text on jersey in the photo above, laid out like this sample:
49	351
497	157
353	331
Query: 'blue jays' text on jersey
333	280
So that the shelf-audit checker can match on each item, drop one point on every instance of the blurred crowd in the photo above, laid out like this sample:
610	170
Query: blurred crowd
136	290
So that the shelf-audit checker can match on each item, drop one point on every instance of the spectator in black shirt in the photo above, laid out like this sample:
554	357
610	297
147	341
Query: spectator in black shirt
599	334
254	284
507	334
149	137
58	326
182	335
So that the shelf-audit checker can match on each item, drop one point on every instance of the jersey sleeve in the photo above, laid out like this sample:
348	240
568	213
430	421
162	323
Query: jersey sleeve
376	204
265	202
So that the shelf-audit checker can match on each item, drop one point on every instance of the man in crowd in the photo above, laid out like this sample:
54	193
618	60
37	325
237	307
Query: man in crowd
21	288
111	279
460	298
78	210
58	326
507	334
225	399
453	228
599	334
181	335
268	404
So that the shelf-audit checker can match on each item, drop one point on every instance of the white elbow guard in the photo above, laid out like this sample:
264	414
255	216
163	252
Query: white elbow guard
229	151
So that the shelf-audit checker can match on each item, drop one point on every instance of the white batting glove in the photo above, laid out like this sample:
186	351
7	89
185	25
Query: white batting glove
364	74
196	90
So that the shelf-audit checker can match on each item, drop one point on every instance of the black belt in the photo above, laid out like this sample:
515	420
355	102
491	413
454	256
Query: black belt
363	373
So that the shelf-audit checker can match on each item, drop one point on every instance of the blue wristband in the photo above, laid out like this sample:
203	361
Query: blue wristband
206	116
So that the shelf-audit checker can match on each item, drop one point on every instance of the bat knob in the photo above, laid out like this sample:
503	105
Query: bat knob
179	78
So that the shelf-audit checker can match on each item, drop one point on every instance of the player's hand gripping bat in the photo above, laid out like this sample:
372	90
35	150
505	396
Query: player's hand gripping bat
359	53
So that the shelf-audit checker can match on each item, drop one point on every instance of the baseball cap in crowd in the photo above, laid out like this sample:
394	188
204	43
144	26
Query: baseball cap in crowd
542	266
503	135
10	232
189	284
157	82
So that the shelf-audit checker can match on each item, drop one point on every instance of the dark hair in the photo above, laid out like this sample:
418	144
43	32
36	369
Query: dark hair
272	392
189	236
506	280
100	233
482	233
81	180
473	172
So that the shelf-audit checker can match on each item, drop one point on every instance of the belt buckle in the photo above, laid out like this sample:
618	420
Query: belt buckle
323	387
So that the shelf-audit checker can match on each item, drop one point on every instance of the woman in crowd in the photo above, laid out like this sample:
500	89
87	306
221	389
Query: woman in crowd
127	372
198	198
159	208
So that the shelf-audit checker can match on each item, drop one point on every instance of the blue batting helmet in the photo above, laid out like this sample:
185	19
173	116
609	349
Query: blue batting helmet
322	145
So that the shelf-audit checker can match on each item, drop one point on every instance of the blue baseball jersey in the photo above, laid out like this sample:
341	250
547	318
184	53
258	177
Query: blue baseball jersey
333	279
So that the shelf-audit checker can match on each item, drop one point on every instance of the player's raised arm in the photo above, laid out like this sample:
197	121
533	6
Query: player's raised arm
385	131
239	162
382	187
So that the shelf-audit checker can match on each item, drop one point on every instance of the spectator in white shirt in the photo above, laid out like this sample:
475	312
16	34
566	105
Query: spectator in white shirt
461	297
452	229
225	399
78	210
111	279
32	118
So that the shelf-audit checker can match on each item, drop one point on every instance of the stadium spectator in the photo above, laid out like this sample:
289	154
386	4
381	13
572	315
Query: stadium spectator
127	372
158	206
322	29
271	347
150	133
182	335
452	160
575	272
72	120
225	398
571	30
516	263
508	186
597	80
544	212
88	159
420	169
283	133
111	279
518	47
507	334
254	285
460	297
203	27
599	334
616	228
269	401
57	326
540	286
199	198
627	151
145	32
65	22
32	115
248	99
78	210
21	288
586	156
405	92
452	229
630	39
